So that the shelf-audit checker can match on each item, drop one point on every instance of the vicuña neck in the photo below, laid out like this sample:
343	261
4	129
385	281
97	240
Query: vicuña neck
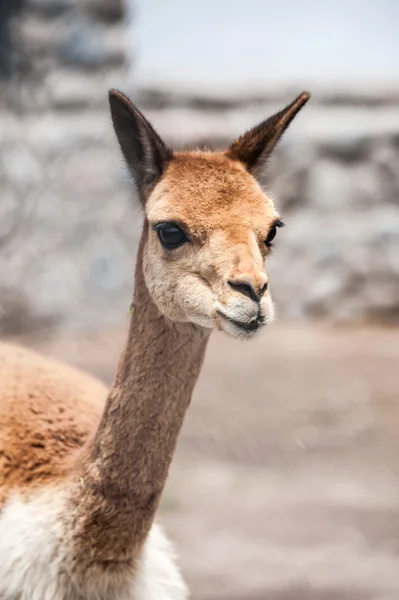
126	463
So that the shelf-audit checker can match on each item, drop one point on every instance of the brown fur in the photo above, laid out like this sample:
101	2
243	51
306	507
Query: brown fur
126	464
219	216
255	146
228	199
114	484
47	410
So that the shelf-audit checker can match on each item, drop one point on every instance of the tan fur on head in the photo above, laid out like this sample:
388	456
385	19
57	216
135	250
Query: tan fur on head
216	277
227	218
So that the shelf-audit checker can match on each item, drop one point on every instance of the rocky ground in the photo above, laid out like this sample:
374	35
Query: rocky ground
285	485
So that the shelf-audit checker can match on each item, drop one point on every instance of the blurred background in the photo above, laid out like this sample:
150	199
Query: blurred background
285	484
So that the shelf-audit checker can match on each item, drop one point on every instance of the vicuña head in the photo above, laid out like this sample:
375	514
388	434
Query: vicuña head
80	480
210	225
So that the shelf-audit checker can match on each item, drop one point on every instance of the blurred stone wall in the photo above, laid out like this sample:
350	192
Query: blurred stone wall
68	221
66	227
338	257
335	179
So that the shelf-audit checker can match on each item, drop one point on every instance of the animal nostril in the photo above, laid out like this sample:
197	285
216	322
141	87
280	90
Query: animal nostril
263	289
246	289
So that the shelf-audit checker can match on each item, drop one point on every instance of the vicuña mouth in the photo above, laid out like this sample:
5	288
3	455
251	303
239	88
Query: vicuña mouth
250	326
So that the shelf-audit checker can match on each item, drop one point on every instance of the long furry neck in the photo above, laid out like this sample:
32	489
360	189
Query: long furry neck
125	466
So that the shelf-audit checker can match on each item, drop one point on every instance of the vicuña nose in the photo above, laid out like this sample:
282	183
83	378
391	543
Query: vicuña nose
248	289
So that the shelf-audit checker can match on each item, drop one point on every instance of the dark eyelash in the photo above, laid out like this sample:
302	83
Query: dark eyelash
181	226
277	224
162	224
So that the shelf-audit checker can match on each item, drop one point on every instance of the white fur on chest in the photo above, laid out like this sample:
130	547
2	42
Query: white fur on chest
32	558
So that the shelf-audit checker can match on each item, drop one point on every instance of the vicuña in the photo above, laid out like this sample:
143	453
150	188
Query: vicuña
82	468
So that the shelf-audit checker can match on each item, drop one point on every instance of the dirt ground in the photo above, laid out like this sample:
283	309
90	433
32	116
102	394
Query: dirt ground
285	485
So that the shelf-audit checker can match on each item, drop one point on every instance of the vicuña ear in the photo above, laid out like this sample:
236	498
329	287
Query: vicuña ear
255	146
145	153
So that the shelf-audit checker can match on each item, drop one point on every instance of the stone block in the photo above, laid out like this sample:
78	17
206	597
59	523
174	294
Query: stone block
105	10
333	186
49	9
87	46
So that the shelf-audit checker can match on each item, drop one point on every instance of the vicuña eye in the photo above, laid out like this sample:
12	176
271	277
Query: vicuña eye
170	235
271	236
272	232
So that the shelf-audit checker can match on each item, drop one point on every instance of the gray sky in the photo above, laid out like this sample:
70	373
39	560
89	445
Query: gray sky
215	42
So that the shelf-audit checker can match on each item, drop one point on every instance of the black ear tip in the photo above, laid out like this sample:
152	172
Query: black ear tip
115	97
113	93
304	97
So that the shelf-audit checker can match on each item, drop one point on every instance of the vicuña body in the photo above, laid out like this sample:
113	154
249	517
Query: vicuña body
82	469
